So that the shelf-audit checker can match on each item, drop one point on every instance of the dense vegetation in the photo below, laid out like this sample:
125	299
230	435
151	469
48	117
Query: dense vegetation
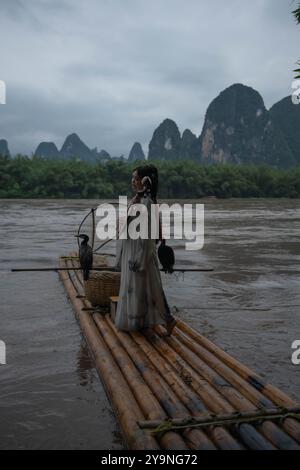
23	177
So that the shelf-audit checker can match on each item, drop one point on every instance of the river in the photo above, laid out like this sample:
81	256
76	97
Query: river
50	393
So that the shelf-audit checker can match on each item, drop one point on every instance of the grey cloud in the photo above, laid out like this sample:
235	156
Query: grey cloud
113	70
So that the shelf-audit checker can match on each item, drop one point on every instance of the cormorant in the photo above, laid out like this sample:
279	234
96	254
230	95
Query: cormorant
166	257
85	255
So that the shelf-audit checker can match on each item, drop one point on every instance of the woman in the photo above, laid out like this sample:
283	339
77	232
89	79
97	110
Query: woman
142	302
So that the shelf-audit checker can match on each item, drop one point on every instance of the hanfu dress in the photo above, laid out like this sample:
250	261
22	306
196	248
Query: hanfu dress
142	302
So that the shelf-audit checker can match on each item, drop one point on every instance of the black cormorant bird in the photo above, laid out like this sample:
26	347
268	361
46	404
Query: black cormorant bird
85	255
166	257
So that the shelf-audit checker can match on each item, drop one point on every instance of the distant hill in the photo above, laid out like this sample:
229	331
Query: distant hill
166	142
136	153
47	150
237	129
73	146
286	117
4	150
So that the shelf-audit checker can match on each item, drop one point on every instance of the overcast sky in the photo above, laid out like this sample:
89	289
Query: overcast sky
113	70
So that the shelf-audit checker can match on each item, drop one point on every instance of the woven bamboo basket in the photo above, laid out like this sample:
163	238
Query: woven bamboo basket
101	286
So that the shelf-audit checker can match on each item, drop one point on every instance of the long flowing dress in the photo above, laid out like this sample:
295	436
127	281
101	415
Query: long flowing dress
142	302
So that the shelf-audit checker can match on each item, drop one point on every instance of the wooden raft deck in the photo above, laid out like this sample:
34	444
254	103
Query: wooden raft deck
157	378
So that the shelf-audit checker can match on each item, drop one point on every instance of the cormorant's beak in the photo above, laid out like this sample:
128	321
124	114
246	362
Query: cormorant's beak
77	236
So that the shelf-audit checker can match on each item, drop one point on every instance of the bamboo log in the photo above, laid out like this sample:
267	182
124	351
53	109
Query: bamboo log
268	429
143	395
251	437
255	438
250	392
184	393
189	398
272	392
234	397
278	437
126	407
192	438
162	391
257	398
210	397
291	426
208	394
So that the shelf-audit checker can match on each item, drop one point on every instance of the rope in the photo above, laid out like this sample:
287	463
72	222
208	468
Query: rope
167	425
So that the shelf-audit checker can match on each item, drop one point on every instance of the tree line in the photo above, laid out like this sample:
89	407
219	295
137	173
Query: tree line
24	177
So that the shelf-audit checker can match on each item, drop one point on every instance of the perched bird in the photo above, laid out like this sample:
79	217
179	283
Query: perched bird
85	255
166	257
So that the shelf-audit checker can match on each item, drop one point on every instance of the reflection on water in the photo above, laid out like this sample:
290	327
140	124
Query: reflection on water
84	366
51	396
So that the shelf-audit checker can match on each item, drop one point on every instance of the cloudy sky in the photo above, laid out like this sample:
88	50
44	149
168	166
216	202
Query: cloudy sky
113	70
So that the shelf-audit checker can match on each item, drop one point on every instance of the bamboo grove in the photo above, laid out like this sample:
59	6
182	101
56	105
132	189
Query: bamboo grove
24	177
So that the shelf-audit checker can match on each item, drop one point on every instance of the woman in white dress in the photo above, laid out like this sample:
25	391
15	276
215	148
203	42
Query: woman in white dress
142	302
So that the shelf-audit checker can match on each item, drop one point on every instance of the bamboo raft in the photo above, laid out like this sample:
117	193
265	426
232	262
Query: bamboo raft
181	392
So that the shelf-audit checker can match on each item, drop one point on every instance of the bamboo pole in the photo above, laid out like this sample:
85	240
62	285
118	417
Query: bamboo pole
161	390
268	429
108	268
250	392
258	399
210	397
219	383
143	395
208	394
272	392
125	405
186	394
291	426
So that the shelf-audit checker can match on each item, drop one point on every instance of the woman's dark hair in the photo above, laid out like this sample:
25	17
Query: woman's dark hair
151	171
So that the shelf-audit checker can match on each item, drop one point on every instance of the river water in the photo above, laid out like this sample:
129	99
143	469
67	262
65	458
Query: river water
50	394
